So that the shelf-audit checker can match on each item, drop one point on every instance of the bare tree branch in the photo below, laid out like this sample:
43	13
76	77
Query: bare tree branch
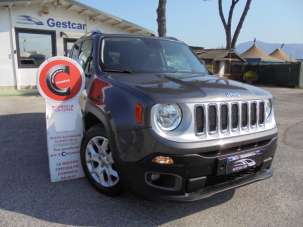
231	41
221	13
229	23
231	11
240	24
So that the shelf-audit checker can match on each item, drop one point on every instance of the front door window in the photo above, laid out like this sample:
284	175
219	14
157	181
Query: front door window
68	44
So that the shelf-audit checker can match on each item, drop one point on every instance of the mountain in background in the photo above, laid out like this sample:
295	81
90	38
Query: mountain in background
294	50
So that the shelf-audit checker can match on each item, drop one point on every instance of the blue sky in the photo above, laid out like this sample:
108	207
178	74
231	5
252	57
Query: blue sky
197	22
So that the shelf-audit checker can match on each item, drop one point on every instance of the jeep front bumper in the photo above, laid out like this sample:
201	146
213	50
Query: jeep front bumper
195	173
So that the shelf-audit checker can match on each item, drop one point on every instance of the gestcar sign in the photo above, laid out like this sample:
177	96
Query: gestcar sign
50	22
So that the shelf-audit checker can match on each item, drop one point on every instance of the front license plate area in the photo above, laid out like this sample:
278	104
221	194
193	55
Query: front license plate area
239	162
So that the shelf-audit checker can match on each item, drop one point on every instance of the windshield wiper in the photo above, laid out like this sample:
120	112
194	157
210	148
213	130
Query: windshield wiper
117	71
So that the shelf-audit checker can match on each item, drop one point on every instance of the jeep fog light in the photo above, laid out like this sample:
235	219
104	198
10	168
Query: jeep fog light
163	160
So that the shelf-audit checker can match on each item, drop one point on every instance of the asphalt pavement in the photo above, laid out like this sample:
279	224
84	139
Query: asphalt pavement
27	198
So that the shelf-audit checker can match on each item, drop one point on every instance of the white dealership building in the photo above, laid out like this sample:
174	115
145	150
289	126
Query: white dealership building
34	30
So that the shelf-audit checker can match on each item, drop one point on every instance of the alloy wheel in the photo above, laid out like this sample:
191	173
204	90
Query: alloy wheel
100	163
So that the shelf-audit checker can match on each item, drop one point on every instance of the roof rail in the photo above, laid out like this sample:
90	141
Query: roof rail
172	38
97	31
93	32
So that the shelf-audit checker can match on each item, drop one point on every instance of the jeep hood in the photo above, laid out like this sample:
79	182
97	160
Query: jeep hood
189	87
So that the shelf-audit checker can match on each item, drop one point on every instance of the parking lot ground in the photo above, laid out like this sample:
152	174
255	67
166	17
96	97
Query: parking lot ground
27	198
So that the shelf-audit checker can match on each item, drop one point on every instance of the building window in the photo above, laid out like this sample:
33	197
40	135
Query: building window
34	47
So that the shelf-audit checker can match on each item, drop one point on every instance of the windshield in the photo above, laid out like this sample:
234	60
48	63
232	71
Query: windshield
148	55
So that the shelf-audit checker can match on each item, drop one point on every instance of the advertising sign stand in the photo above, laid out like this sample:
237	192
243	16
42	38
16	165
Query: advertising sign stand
60	82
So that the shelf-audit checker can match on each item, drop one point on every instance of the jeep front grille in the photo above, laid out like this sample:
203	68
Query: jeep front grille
212	118
234	116
244	114
200	122
229	117
224	117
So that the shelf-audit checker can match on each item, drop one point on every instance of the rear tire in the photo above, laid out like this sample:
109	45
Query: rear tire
98	162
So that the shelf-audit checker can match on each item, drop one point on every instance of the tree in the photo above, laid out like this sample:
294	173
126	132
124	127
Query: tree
231	41
161	18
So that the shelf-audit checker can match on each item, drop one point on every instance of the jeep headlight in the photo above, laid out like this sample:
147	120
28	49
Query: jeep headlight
268	108
167	116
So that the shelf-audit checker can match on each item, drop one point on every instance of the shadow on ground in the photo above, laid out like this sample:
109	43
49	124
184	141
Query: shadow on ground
25	186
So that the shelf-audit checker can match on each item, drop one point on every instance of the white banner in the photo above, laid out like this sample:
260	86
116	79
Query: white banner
60	82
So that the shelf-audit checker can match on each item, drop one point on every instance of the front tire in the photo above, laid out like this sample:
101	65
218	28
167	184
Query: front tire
98	162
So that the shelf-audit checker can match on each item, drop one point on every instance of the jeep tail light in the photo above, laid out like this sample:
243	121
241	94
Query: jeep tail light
96	93
139	113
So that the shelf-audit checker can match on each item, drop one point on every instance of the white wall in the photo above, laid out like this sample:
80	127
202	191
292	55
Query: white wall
27	76
6	68
221	68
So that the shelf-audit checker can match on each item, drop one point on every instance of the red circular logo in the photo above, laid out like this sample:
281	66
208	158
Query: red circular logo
60	78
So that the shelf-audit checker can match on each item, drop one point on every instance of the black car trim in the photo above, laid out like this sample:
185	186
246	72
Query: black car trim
212	190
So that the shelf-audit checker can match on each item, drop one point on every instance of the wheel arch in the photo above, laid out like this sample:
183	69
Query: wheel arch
96	116
91	120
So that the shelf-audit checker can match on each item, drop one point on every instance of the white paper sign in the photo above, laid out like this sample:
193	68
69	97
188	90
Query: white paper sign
60	82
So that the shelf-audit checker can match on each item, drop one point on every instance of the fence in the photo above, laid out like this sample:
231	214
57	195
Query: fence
287	74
